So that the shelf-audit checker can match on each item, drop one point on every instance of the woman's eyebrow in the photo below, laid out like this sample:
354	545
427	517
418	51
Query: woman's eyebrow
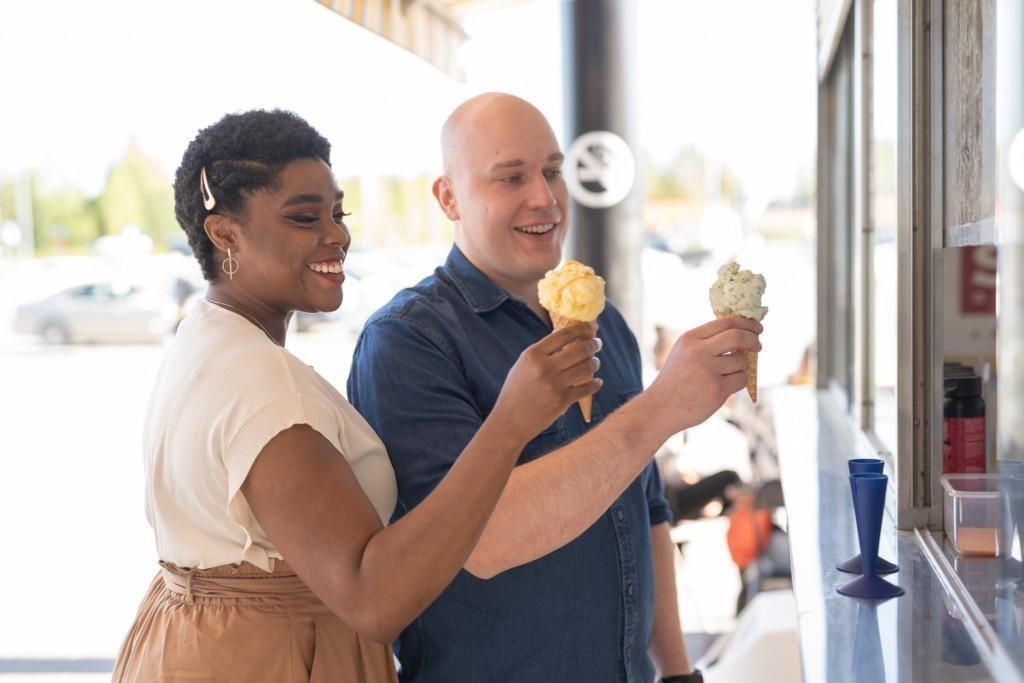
310	199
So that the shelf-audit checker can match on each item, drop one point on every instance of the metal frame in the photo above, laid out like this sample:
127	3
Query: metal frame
839	91
834	106
995	655
823	370
832	29
920	192
864	395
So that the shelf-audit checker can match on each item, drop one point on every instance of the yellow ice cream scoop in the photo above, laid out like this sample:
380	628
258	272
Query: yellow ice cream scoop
572	293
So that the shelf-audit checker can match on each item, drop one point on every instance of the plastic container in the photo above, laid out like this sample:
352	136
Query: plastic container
972	511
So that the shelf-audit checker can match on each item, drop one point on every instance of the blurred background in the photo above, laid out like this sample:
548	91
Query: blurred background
99	101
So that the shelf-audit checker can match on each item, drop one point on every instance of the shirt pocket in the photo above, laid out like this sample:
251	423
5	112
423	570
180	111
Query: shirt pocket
545	442
605	405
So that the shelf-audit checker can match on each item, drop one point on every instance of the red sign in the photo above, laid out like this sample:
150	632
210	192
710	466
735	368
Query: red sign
978	280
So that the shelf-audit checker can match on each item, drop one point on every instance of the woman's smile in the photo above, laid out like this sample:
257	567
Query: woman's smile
330	270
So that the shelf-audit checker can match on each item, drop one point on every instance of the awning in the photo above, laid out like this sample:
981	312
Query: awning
427	28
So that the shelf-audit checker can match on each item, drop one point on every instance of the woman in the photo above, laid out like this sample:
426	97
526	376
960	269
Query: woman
267	492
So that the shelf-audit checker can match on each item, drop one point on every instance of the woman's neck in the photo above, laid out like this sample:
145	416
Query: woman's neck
264	317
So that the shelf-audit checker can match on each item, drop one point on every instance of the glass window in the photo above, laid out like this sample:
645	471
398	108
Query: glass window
883	293
836	278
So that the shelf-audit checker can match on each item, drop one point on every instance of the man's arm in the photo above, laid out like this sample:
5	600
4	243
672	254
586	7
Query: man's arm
550	501
668	649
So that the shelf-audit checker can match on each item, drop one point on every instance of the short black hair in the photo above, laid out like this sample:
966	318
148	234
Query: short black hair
242	154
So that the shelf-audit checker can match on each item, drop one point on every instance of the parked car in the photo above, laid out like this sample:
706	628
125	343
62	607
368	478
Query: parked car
104	311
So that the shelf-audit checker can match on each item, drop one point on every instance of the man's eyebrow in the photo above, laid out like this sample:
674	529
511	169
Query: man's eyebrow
309	199
506	164
513	163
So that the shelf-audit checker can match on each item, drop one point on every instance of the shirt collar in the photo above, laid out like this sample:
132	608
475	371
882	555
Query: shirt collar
476	288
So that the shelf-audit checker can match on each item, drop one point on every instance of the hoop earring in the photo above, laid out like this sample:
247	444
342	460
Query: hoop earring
229	265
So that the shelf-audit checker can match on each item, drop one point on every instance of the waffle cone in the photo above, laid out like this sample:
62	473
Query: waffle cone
586	403
751	357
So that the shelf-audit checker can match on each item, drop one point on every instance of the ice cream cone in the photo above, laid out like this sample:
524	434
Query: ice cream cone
586	403
751	357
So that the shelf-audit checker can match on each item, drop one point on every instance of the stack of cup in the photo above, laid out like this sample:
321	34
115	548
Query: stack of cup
854	565
868	486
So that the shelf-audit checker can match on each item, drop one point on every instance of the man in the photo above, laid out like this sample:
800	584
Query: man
572	579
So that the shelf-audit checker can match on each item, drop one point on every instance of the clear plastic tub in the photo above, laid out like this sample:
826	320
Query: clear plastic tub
972	512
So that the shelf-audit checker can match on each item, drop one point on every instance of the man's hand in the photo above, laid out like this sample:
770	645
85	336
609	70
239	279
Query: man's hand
702	370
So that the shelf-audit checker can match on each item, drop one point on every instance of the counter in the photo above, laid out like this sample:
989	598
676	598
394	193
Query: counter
928	634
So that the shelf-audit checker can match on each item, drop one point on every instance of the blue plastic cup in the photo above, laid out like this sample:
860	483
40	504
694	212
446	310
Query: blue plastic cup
868	508
866	465
853	565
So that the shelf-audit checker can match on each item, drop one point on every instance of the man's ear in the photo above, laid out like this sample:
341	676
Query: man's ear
222	231
445	196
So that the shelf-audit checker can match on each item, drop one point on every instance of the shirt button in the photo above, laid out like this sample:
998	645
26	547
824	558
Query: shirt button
619	514
631	589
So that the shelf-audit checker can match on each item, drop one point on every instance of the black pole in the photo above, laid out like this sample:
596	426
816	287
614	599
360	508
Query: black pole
599	67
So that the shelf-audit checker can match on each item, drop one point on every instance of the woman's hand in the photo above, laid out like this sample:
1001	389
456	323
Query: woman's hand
549	377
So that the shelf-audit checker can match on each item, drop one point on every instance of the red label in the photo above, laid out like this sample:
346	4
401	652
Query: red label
963	445
978	280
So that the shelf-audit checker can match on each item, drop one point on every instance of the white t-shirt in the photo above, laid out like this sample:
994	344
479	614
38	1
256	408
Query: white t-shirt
223	392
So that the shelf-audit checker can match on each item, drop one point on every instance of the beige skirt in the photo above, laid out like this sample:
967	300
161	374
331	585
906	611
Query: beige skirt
242	624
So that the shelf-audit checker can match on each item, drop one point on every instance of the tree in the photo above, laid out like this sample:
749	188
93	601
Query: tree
63	219
138	191
687	177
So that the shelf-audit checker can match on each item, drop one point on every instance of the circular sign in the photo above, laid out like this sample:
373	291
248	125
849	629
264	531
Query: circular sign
10	234
599	169
1016	159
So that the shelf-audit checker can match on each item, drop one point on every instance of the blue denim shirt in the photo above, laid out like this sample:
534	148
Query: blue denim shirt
427	370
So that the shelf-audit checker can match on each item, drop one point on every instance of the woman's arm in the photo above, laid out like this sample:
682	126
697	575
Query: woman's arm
375	578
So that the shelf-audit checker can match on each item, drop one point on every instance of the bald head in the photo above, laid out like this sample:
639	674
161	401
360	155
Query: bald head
503	189
472	132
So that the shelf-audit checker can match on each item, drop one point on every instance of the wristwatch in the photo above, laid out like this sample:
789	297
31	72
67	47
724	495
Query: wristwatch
692	677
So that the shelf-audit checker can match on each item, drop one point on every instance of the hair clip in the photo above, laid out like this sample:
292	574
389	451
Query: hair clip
209	201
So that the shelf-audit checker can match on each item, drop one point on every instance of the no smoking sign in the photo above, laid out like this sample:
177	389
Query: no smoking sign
599	169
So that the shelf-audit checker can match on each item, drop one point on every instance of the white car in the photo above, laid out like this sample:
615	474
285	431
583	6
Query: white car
101	312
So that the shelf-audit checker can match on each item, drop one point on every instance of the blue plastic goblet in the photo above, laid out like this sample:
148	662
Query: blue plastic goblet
853	565
865	465
868	507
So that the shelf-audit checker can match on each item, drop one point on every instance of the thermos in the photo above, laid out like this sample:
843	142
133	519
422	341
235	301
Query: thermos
963	423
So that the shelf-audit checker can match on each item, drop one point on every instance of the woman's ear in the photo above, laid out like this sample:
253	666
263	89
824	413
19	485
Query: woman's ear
445	195
223	232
